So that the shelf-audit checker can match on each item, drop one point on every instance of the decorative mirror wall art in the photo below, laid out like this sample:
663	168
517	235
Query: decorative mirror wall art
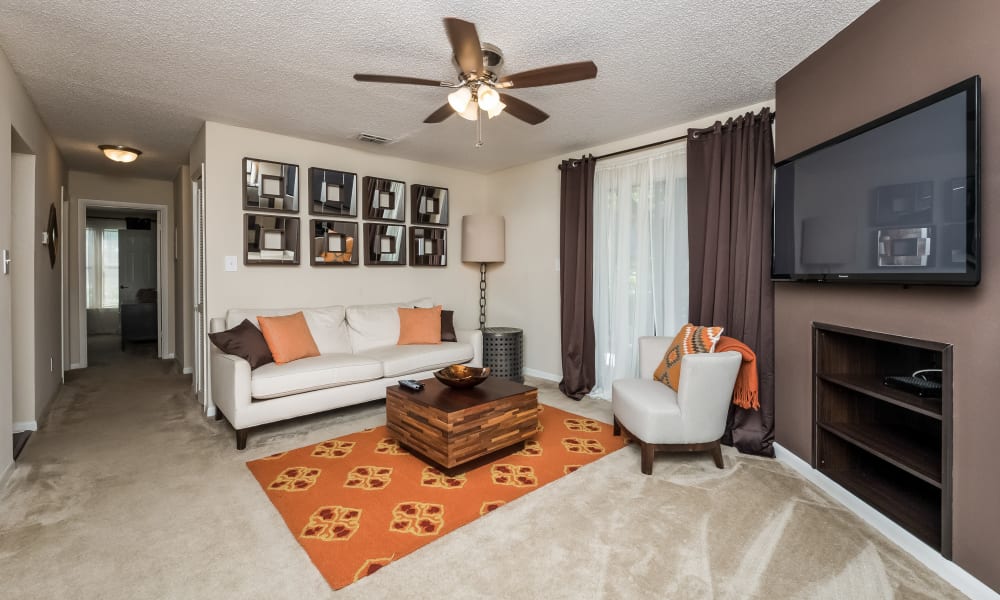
270	240
333	242
333	193
429	205
385	244
384	199
270	186
428	247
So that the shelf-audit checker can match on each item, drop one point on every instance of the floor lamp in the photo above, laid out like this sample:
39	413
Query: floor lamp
482	242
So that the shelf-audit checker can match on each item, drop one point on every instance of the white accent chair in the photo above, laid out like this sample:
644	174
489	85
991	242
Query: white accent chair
692	419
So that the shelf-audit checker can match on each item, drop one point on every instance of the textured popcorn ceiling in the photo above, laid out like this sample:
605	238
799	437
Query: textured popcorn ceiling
148	73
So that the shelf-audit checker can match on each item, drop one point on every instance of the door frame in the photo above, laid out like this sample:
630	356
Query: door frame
162	268
201	378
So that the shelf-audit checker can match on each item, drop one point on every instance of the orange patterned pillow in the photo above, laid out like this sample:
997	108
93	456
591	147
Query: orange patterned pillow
419	325
689	340
288	337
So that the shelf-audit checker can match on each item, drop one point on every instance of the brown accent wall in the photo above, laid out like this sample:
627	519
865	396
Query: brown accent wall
897	52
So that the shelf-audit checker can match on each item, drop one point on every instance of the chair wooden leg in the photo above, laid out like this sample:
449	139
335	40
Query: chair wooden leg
617	427
241	439
717	455
647	451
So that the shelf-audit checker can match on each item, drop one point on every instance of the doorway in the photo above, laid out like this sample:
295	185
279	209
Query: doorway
123	279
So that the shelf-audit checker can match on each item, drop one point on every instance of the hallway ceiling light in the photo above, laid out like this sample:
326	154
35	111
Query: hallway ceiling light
122	154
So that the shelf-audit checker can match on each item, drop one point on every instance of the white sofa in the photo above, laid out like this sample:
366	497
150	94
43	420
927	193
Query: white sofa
358	359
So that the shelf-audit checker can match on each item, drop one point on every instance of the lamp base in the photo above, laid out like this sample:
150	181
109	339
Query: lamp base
482	296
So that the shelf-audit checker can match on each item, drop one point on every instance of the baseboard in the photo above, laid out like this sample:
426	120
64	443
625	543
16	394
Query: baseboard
542	375
75	366
19	426
187	370
929	557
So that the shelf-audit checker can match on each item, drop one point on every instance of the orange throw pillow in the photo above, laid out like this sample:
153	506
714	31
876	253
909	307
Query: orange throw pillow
689	340
288	337
419	326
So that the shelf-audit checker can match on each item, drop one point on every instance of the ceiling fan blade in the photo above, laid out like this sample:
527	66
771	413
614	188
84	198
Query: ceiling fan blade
465	44
440	114
522	110
550	75
398	79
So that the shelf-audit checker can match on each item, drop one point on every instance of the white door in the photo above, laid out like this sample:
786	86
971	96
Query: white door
200	335
6	357
136	263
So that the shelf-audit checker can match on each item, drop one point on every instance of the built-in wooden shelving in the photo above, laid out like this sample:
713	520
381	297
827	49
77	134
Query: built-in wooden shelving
889	447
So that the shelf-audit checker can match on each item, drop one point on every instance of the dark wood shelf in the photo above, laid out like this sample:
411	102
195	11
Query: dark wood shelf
871	385
918	514
890	448
894	445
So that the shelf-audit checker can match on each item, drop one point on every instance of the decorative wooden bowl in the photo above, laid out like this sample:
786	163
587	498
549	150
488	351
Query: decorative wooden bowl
461	376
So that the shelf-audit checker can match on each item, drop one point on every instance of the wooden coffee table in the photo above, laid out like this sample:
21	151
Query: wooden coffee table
451	427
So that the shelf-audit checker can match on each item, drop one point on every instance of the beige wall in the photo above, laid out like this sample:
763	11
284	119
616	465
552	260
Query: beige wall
106	188
34	284
870	69
183	272
455	286
524	291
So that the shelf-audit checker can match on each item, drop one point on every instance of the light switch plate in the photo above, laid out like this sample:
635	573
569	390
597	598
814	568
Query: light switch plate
231	263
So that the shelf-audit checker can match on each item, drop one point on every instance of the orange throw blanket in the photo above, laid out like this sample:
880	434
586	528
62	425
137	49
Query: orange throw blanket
745	391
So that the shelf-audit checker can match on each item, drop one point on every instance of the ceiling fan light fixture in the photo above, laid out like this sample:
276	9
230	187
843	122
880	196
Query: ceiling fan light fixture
122	154
489	98
460	98
471	112
497	110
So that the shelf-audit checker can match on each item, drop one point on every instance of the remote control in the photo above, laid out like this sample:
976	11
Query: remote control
411	384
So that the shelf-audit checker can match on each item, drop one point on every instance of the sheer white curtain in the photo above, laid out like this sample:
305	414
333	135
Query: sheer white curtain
640	256
102	267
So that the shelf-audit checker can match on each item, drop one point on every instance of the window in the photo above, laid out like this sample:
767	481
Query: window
102	268
640	256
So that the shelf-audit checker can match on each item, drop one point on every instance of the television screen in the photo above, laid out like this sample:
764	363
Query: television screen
893	201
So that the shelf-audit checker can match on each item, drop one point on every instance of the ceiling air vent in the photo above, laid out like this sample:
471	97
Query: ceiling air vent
373	139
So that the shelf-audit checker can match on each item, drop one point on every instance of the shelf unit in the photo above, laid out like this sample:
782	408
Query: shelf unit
891	448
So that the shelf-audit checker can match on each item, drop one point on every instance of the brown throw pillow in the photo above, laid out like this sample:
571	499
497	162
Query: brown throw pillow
245	341
288	337
419	325
689	340
448	326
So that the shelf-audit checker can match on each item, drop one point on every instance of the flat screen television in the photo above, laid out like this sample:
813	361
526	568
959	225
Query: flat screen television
896	200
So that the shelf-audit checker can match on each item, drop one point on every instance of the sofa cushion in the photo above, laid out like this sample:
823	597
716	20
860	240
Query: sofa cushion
402	360
377	325
246	341
648	409
326	324
314	373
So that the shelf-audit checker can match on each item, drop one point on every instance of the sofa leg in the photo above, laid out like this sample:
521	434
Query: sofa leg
717	455
647	451
617	427
241	439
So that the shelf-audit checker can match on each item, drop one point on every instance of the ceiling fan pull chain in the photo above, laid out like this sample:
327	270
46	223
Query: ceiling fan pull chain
479	128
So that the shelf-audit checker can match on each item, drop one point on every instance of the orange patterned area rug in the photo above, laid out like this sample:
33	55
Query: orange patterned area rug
358	502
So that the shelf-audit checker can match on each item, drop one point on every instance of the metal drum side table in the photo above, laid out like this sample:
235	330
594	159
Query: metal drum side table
503	352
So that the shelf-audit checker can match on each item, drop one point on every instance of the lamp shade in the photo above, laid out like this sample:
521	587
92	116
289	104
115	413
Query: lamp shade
483	238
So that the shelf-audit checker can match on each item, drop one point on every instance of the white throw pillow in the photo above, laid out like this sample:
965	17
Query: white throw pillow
377	325
326	324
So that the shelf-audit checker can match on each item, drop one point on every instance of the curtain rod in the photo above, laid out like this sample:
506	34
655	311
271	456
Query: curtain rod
652	144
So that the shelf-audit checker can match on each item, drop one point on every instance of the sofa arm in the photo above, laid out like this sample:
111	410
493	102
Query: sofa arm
651	351
216	324
474	337
230	383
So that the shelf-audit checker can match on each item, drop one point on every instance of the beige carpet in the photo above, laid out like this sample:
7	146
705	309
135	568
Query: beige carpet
127	492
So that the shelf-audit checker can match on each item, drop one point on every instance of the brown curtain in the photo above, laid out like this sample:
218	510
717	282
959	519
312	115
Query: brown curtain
576	276
730	174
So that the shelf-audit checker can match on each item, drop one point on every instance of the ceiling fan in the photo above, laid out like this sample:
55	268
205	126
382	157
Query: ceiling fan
478	82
